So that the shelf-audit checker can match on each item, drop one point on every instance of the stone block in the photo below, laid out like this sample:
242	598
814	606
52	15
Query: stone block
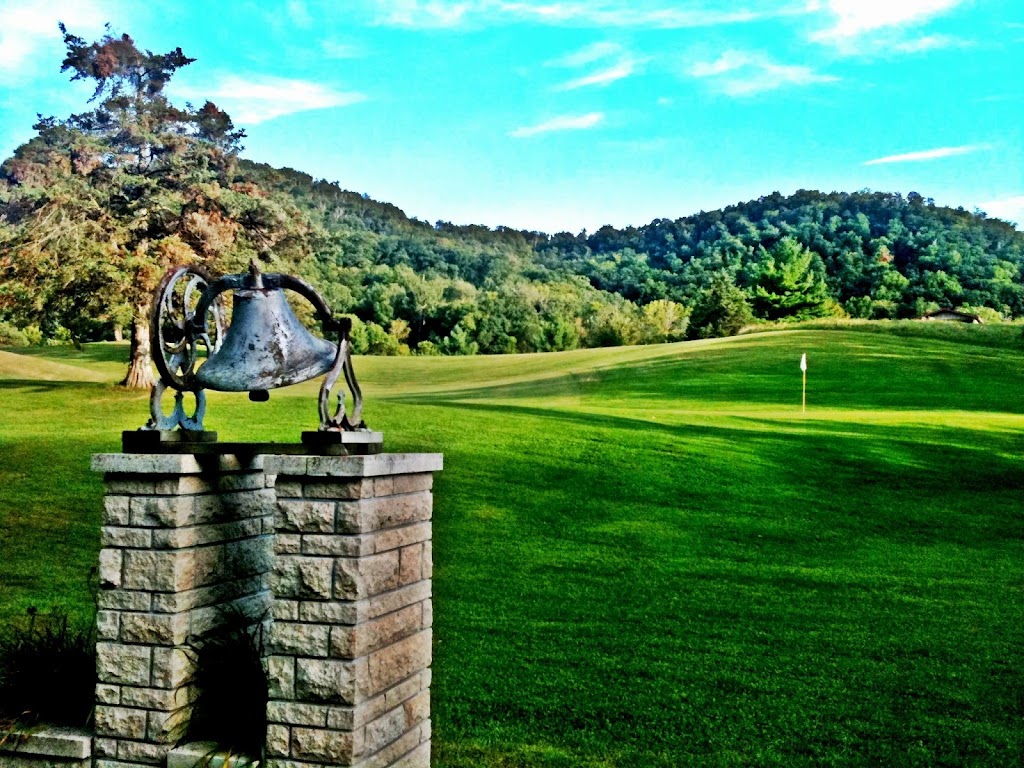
105	747
121	722
303	516
411	568
299	639
158	571
321	745
168	727
330	681
383	486
358	578
250	481
146	463
290	544
279	739
164	699
397	750
125	538
58	743
349	642
123	664
154	628
184	485
116	510
375	514
284	610
281	677
162	511
330	612
418	758
332	489
111	568
284	465
384	730
292	713
337	545
142	752
301	577
288	489
172	667
396	538
108	625
413	483
428	559
228	462
108	694
393	601
417	709
124	600
398	661
374	465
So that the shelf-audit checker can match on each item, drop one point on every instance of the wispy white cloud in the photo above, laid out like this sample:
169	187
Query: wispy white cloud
928	43
598	13
883	27
561	123
26	26
423	13
1006	208
619	71
927	154
857	17
615	64
586	55
741	73
251	100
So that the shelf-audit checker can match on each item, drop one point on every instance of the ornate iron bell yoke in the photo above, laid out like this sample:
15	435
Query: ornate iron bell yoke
264	347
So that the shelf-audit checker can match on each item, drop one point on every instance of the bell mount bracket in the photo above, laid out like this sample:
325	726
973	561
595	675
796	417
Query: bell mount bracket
188	312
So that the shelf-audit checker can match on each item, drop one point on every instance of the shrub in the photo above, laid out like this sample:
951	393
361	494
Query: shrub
47	670
11	336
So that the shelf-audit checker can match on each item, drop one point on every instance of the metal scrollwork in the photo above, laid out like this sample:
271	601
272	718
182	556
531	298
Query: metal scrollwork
340	420
265	346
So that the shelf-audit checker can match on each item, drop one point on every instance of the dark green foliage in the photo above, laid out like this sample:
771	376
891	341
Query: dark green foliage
721	310
47	669
788	284
232	706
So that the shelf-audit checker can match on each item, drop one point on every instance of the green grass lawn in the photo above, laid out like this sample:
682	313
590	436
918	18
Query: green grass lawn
648	556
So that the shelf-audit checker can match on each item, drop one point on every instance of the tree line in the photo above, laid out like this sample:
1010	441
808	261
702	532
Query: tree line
97	205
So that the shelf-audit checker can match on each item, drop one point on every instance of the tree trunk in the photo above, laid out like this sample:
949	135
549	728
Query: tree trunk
118	333
140	364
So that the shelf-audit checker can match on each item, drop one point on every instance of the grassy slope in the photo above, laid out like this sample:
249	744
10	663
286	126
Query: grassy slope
647	556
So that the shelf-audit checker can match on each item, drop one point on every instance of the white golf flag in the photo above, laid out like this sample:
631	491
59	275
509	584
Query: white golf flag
803	362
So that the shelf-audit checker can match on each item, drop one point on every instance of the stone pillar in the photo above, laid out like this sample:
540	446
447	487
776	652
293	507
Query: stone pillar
350	641
186	540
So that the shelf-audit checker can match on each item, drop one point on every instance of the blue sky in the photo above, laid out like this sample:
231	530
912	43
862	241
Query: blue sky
567	114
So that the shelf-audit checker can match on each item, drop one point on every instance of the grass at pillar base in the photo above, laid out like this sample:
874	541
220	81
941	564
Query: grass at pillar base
647	556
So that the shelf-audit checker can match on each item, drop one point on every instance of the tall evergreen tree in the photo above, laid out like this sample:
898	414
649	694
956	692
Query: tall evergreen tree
788	285
104	201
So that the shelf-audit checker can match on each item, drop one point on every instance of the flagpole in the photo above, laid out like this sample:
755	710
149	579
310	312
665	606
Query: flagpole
803	394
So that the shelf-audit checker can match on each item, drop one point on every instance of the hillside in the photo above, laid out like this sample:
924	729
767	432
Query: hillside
647	556
880	255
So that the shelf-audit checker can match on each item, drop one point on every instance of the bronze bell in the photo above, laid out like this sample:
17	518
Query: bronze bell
265	347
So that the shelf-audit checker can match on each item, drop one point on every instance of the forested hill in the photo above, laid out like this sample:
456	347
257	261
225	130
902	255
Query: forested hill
97	205
863	254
